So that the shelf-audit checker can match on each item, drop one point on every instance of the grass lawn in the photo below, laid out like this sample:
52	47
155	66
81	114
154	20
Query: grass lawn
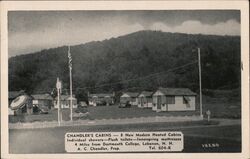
51	140
222	107
100	112
223	110
219	107
115	112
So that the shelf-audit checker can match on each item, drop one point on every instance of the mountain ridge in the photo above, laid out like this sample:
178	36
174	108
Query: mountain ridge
121	36
129	57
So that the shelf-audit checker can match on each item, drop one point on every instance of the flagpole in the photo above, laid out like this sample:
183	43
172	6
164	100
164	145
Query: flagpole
199	63
70	76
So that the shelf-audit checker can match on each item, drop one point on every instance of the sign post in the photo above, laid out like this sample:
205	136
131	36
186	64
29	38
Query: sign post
208	115
59	87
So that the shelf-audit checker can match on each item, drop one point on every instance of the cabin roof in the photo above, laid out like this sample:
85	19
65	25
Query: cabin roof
147	93
176	91
131	94
101	95
67	97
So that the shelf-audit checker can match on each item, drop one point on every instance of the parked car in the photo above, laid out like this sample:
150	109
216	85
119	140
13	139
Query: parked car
81	112
83	104
43	110
125	105
101	103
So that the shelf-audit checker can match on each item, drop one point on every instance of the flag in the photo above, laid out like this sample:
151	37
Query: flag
53	93
70	58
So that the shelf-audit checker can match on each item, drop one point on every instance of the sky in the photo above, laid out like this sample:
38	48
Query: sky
31	31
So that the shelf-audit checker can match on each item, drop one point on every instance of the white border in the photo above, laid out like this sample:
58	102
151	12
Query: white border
128	5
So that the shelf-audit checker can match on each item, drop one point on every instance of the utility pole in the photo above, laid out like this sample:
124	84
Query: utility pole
199	64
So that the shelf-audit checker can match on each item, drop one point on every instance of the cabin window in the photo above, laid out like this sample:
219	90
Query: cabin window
170	99
150	100
186	100
139	101
154	99
163	99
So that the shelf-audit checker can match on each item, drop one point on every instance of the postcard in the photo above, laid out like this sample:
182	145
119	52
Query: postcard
125	79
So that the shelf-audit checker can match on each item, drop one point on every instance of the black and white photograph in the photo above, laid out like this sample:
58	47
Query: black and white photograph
125	81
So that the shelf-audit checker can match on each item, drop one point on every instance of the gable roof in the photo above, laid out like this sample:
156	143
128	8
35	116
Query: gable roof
101	95
146	93
176	91
131	94
42	96
67	97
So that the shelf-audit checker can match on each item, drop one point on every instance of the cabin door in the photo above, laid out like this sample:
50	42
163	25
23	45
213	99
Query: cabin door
158	102
141	101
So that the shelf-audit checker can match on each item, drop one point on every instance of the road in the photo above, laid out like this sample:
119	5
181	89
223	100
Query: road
196	139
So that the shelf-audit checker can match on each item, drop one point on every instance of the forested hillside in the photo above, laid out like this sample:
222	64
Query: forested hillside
142	60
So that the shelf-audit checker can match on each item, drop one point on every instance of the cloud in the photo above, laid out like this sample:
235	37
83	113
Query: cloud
230	27
78	32
61	34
